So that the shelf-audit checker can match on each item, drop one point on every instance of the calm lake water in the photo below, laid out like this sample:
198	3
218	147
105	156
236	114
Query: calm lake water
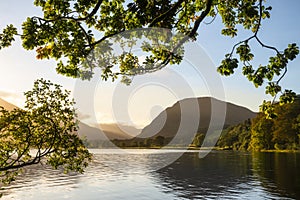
136	175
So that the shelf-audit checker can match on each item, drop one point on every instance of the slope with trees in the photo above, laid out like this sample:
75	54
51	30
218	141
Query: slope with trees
165	127
210	118
261	133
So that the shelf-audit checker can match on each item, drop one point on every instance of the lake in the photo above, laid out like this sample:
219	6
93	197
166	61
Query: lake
158	174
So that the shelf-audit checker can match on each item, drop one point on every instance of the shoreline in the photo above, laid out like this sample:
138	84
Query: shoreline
203	148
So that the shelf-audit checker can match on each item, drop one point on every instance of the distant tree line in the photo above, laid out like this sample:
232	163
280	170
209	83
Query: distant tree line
153	142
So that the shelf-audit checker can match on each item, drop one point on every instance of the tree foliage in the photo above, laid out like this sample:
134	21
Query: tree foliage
198	139
45	131
262	133
70	31
152	142
236	137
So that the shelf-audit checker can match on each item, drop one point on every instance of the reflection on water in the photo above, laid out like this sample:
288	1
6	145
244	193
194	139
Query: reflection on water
220	175
283	169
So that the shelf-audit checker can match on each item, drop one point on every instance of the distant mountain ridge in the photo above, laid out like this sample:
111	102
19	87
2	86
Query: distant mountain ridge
167	123
105	132
7	105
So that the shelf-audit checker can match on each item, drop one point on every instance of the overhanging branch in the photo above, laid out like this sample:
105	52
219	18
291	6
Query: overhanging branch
201	18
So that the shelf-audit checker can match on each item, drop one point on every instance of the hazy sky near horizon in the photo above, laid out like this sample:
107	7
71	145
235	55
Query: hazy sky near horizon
19	69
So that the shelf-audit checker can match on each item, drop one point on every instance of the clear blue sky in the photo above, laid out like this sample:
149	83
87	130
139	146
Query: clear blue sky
19	68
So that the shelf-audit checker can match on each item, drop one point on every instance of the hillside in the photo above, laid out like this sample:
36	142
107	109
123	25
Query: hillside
6	105
167	123
261	133
103	133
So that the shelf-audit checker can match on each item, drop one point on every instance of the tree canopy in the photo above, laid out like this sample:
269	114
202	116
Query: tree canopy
261	133
45	131
70	30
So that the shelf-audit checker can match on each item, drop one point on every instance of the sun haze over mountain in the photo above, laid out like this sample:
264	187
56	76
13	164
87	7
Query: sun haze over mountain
6	105
103	132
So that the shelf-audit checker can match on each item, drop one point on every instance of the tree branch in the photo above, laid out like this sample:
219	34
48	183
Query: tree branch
94	11
105	37
201	18
165	14
266	46
256	34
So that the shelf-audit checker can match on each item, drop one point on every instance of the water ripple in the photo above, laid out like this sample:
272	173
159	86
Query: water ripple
113	175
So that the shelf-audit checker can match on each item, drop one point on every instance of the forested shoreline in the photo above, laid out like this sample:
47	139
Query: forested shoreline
261	133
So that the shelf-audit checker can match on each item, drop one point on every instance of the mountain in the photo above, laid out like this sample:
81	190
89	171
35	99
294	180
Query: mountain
119	131
106	131
169	123
6	105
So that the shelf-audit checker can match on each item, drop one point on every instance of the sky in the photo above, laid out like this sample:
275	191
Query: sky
106	102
